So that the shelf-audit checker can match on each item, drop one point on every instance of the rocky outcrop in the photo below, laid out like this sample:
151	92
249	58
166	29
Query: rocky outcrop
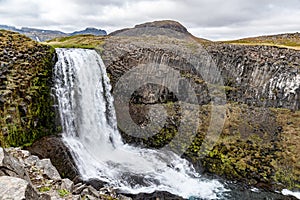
16	188
53	147
260	75
25	176
26	104
255	75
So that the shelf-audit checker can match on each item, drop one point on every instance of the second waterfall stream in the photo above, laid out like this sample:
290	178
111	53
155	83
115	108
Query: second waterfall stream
90	131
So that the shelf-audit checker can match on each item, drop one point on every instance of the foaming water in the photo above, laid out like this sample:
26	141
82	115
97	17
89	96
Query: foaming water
288	192
90	131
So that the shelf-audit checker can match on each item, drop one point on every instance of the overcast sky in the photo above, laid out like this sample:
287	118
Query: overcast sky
211	19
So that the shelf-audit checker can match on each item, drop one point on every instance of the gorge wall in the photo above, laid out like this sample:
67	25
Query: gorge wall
262	87
255	75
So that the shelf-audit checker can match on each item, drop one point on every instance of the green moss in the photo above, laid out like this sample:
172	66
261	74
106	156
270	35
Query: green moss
107	197
44	189
27	113
63	192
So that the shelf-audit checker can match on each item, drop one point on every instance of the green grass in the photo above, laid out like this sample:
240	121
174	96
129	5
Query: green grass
78	41
291	40
44	189
63	192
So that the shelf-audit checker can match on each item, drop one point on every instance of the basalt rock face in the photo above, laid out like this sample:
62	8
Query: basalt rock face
255	75
260	75
26	104
261	85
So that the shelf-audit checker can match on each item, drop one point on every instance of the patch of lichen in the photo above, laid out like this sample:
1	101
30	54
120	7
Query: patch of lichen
26	74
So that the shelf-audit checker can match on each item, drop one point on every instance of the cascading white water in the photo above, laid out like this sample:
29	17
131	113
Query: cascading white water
90	131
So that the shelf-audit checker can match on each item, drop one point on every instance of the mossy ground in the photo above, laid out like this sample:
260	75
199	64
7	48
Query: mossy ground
78	41
27	106
257	145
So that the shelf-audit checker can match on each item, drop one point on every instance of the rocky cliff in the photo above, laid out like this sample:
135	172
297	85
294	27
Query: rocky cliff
26	103
262	88
256	75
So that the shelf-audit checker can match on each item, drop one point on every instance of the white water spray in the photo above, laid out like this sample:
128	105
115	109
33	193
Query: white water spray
90	131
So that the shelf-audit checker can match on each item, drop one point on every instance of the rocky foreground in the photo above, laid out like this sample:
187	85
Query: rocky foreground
25	176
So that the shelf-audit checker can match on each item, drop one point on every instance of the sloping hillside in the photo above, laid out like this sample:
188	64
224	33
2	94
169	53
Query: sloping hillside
288	40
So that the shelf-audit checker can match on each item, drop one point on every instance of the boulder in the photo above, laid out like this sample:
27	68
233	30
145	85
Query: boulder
16	189
67	184
53	147
10	166
49	170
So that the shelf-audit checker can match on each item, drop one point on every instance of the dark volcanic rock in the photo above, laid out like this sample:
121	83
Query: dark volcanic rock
52	147
260	75
255	75
154	196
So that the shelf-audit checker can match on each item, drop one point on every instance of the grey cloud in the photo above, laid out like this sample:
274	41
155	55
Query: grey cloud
213	19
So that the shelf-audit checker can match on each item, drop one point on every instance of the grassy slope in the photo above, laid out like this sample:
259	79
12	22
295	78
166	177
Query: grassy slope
78	41
283	40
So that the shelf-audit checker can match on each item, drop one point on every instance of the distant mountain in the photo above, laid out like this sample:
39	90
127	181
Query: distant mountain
90	31
41	35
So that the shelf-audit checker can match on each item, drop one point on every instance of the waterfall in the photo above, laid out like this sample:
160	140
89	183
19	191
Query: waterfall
90	131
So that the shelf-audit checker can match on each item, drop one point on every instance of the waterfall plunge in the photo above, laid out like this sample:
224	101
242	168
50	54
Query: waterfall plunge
90	131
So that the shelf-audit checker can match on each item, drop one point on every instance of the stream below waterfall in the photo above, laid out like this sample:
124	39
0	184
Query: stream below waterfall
90	131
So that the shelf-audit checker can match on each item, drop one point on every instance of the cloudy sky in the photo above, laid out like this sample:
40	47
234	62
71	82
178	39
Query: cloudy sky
211	19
